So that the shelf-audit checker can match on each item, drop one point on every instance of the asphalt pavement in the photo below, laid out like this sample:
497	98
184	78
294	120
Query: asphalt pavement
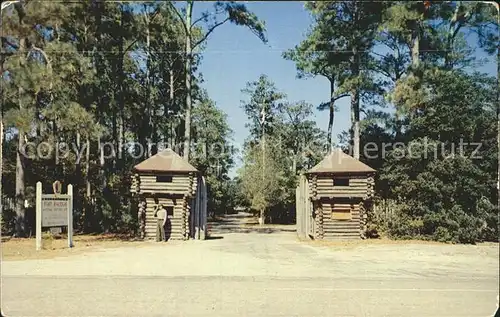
243	296
257	273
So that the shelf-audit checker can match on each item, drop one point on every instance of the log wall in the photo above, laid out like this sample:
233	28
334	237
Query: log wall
181	184
182	194
358	187
337	223
338	212
176	229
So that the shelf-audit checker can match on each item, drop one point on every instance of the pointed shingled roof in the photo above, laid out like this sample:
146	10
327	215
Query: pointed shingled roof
165	161
339	162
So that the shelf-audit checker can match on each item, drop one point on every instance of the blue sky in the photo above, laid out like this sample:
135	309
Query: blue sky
233	56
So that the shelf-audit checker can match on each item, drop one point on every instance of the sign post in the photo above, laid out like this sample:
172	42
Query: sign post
54	211
38	216
70	216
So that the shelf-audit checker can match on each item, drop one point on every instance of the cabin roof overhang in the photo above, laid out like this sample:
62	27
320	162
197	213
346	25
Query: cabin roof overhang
165	162
339	163
341	173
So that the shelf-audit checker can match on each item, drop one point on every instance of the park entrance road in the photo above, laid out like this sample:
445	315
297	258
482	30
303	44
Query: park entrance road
257	274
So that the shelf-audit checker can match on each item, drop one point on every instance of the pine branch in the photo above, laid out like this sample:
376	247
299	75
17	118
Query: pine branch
209	32
203	17
49	66
9	43
326	105
179	15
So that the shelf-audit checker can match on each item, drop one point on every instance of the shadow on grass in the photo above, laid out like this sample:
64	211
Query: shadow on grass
107	237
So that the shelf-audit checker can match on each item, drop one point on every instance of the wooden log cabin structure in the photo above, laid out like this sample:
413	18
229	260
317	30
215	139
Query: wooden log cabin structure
333	198
168	183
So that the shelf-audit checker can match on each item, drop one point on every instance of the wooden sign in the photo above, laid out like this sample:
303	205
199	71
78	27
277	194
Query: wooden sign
55	212
55	230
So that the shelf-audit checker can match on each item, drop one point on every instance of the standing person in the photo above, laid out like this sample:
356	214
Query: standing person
161	218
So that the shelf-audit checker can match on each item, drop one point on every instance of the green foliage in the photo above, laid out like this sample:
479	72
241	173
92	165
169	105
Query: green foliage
419	61
279	147
213	154
262	175
263	106
444	175
85	74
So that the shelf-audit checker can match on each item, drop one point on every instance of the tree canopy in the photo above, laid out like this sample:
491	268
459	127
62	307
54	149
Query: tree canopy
91	88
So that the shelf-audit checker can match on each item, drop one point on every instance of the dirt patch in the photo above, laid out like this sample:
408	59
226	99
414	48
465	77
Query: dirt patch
348	244
24	249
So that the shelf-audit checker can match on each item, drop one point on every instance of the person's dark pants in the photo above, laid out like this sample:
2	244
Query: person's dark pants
160	231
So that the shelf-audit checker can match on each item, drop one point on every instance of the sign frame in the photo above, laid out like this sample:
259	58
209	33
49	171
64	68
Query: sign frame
57	196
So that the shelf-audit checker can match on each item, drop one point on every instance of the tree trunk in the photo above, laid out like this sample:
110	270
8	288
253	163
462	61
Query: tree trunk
332	114
100	7
87	166
452	32
172	100
121	116
415	38
498	122
88	198
415	50
355	106
121	137
149	104
102	172
171	86
171	131
263	140
20	212
118	115
355	127
1	162
1	147
187	123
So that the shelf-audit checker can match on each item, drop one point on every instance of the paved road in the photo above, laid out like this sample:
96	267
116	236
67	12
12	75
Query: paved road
243	296
257	274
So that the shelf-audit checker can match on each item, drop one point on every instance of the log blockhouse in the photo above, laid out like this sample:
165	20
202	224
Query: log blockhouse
167	181
333	198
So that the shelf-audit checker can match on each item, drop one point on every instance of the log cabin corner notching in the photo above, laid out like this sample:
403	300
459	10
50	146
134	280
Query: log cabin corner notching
166	181
333	198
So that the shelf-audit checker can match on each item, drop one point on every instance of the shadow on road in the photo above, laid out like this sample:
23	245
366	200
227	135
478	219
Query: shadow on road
244	223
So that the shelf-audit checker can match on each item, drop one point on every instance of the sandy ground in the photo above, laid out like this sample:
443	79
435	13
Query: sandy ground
276	254
257	274
25	249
